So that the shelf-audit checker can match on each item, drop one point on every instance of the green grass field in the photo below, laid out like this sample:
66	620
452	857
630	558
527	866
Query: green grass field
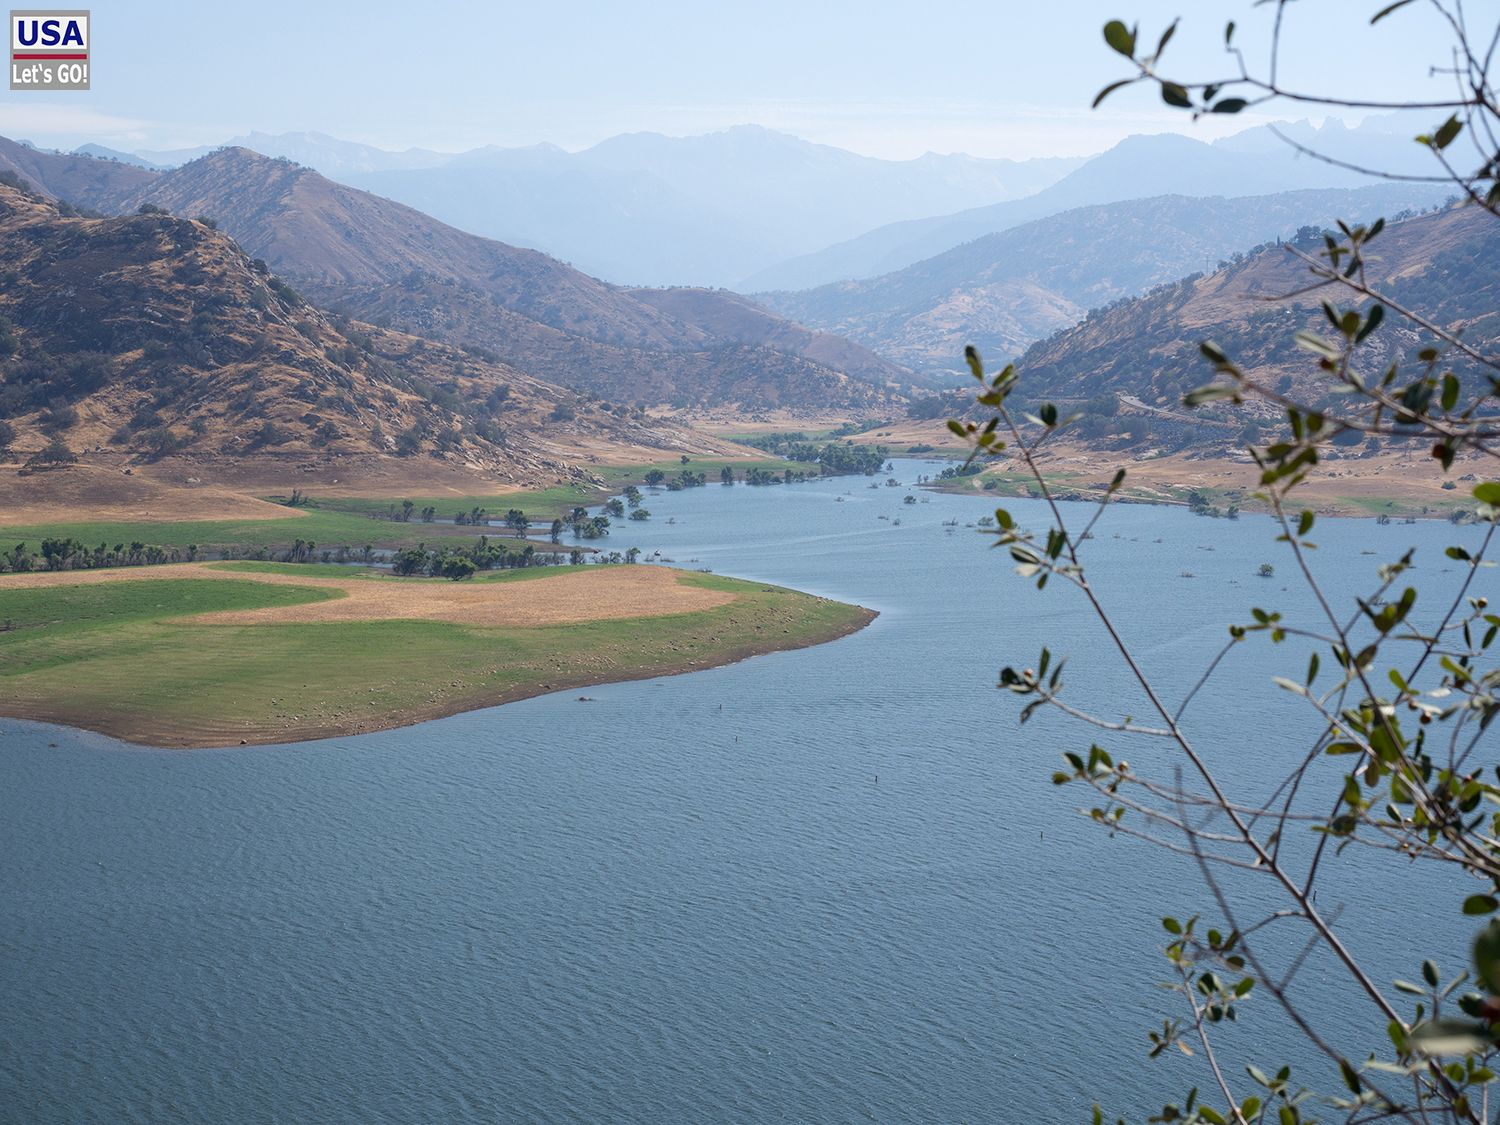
337	570
542	505
328	529
355	522
118	657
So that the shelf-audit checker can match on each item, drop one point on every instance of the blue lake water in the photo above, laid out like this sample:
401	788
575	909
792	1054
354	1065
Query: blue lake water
826	885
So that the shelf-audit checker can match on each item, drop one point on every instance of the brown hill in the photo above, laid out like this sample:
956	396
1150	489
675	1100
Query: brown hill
1005	291
729	316
153	336
1445	264
71	176
385	262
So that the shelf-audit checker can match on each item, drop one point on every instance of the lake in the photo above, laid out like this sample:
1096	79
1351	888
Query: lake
833	884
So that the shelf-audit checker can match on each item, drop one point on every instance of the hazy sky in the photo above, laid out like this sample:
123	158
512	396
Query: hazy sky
988	77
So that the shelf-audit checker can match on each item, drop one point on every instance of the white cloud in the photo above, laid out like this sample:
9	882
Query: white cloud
49	122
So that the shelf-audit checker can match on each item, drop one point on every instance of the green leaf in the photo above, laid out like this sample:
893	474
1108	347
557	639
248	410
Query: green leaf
1166	37
1450	391
1229	105
1351	1078
1481	904
1110	89
976	365
1487	956
1120	38
1446	133
1488	493
1311	341
1213	392
1175	95
1387	10
1449	1037
1372	322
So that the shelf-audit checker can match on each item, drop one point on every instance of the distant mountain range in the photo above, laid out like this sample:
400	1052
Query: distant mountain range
1256	162
1002	292
384	262
646	209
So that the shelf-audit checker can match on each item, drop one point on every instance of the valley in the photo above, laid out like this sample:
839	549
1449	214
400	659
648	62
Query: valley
752	563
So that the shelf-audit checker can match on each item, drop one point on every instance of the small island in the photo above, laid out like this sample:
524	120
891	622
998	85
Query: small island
198	655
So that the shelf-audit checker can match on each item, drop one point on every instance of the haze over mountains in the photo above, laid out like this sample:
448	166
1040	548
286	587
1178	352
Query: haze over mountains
1002	276
756	210
1004	291
384	262
1256	162
647	209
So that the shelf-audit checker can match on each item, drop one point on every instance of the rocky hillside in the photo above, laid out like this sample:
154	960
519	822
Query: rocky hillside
71	177
729	316
1005	291
384	262
1145	351
154	336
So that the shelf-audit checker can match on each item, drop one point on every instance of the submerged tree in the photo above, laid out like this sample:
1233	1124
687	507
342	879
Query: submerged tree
1399	694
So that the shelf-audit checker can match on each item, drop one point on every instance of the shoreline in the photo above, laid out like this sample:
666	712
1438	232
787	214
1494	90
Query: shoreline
455	690
1170	489
295	736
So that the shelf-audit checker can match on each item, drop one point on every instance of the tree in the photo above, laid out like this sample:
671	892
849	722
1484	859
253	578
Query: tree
655	477
457	567
1398	701
641	514
56	452
726	475
412	560
516	520
555	534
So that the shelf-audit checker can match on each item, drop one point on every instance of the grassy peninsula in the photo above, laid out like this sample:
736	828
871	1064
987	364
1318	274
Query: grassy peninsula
197	655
